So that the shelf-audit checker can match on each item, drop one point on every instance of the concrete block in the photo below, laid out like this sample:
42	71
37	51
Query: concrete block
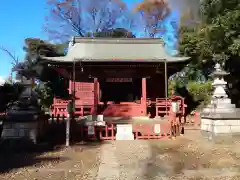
9	133
100	118
7	125
124	132
91	118
26	125
220	126
23	133
33	135
21	130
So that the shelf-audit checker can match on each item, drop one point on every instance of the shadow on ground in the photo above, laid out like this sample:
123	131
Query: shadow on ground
175	158
16	154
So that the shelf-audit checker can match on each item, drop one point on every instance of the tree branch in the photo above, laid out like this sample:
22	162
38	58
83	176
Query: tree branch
15	60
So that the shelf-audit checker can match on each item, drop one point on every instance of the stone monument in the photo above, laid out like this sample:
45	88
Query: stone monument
24	119
124	132
220	116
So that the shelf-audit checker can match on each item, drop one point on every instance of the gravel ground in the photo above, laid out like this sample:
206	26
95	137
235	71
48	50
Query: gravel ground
195	157
78	162
191	157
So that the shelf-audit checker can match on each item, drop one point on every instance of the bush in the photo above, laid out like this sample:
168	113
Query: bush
171	87
201	91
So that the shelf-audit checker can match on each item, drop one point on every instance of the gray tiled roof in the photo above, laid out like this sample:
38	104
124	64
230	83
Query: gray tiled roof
114	49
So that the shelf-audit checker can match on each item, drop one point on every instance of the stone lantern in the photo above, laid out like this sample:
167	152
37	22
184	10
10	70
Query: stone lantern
220	116
24	119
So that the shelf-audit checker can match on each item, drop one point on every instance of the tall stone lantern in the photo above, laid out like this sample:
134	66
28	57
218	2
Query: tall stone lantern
220	116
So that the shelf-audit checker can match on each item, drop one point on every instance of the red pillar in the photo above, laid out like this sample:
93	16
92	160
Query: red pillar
95	96
144	96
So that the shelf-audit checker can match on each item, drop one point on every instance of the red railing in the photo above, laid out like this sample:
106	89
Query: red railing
140	131
163	105
152	130
86	107
82	107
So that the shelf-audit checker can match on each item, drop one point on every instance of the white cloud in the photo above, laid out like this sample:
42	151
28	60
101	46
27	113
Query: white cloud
2	80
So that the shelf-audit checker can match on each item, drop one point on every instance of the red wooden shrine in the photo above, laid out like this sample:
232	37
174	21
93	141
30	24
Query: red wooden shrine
88	102
132	85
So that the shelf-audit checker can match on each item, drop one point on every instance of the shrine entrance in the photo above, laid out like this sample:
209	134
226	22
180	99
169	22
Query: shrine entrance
120	90
120	97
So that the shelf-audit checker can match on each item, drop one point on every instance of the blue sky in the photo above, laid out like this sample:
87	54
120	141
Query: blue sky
23	20
20	20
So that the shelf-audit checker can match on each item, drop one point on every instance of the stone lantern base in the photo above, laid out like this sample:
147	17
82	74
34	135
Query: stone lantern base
22	130
221	124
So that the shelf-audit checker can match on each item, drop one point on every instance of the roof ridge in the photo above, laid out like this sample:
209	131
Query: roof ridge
78	39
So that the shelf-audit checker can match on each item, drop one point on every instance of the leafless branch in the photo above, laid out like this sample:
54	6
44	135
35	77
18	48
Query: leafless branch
81	17
15	59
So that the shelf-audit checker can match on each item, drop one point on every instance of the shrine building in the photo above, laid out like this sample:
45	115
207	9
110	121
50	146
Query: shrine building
116	77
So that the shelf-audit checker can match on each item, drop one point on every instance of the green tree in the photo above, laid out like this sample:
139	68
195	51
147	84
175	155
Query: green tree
9	93
115	33
216	36
49	82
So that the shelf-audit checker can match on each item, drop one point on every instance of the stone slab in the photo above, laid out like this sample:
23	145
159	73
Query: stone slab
225	116
91	130
124	132
220	126
23	132
20	130
25	125
8	133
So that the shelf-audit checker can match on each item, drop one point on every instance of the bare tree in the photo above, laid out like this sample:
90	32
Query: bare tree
14	58
153	13
83	17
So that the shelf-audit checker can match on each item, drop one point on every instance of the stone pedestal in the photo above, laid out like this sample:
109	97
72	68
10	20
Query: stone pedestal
221	124
21	130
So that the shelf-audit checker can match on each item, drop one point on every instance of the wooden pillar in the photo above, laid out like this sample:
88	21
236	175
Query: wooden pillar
166	86
144	96
95	96
70	87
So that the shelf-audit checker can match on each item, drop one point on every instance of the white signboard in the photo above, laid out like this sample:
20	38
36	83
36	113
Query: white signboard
90	118
100	117
124	132
91	130
175	106
157	129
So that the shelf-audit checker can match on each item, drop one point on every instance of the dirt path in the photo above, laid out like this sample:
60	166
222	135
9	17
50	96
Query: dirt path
126	160
109	166
190	158
134	160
